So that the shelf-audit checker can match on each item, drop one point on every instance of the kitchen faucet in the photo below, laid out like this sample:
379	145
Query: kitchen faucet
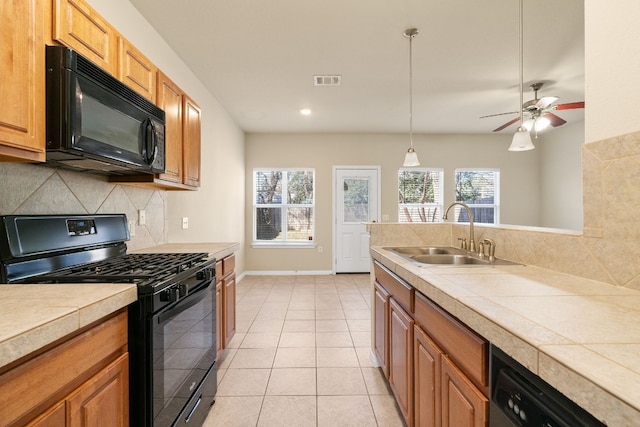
472	242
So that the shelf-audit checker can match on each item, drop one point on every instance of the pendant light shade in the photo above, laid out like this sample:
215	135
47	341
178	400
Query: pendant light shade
522	138
411	158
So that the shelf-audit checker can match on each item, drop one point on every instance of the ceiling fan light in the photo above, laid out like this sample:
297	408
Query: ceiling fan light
521	141
528	124
542	123
411	159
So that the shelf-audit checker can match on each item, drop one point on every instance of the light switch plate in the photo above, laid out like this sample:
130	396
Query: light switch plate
185	222
142	217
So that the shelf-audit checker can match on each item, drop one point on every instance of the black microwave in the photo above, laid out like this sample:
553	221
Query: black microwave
95	123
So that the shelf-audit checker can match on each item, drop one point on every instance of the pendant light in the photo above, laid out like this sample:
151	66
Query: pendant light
411	158
522	138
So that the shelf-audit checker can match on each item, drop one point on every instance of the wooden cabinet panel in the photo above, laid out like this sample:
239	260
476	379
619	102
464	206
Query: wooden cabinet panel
427	372
381	327
54	417
191	142
79	26
465	347
463	405
136	70
229	292
170	100
22	84
228	265
103	400
402	292
401	358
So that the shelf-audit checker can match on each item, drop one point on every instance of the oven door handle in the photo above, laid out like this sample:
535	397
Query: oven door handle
184	303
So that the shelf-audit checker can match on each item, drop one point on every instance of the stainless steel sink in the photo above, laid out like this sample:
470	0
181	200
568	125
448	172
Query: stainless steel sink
426	250
444	255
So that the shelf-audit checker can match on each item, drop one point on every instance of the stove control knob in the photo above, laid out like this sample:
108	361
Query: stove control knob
170	295
182	290
204	274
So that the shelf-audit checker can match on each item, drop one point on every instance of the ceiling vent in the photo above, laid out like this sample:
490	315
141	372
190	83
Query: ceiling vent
329	80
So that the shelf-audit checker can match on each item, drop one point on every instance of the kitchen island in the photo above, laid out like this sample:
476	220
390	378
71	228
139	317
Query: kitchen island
579	335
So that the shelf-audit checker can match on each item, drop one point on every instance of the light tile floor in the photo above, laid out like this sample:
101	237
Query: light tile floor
300	356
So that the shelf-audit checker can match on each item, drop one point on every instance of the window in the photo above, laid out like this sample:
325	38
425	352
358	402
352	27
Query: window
284	206
420	195
479	189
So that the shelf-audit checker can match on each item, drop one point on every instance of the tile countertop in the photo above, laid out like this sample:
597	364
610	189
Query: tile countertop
218	250
32	316
579	335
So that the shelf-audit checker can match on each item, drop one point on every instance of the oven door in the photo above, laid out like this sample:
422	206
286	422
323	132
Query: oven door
184	352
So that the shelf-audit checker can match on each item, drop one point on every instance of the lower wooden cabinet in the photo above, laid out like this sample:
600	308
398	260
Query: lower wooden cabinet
381	318
401	358
436	366
426	377
226	301
81	381
463	405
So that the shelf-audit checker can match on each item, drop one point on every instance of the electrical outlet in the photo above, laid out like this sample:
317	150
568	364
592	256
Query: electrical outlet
185	222
320	249
142	217
132	227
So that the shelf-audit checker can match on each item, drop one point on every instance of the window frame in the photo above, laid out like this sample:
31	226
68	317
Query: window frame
283	206
496	194
439	204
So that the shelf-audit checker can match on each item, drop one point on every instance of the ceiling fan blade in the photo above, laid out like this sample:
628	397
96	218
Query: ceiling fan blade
569	106
500	114
545	101
506	125
555	120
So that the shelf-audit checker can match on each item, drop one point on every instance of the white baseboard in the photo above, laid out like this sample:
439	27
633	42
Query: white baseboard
289	273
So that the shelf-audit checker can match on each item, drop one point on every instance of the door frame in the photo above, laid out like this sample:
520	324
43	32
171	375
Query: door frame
334	197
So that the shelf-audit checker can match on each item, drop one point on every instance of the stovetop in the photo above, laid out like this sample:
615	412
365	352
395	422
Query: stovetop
143	269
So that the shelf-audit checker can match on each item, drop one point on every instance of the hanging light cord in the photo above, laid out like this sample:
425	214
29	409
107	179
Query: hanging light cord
521	66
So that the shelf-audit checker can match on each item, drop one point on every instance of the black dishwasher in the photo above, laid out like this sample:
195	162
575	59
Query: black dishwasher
521	398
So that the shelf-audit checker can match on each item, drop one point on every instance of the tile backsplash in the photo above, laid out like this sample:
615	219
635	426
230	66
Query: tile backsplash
608	250
35	189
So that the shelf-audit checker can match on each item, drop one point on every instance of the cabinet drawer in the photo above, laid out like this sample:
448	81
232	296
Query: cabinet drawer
466	348
400	291
228	265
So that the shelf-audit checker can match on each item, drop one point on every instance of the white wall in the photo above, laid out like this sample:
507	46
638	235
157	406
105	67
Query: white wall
612	62
519	176
216	210
561	176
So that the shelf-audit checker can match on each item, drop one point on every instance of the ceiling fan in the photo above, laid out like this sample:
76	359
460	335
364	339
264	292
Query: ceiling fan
539	111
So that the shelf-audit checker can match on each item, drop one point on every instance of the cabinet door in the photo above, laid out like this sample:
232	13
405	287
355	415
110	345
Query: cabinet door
426	364
104	399
463	405
136	70
401	358
22	83
79	26
229	291
381	327
191	142
170	100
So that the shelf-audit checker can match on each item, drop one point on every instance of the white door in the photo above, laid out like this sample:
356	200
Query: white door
356	202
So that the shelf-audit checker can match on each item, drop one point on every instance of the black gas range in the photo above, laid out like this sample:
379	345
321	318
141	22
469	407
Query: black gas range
172	342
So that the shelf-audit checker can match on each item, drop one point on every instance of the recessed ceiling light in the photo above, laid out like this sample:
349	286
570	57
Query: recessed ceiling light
305	111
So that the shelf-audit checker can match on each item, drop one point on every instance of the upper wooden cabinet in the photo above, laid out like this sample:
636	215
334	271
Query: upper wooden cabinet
77	25
170	100
136	70
191	142
22	82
